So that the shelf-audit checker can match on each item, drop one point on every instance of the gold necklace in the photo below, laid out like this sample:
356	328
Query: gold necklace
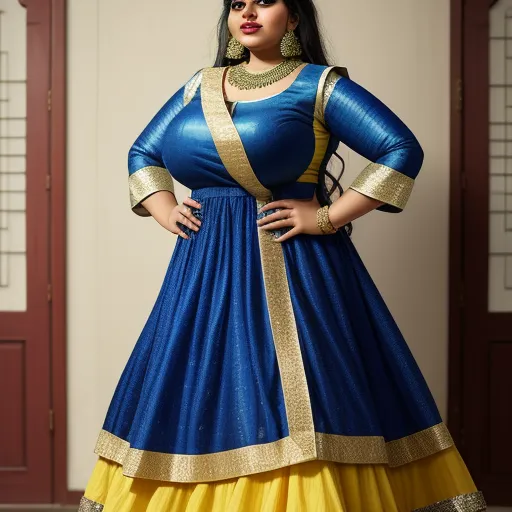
240	78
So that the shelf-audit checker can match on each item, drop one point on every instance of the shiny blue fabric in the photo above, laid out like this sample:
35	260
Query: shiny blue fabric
278	137
372	129
362	377
203	375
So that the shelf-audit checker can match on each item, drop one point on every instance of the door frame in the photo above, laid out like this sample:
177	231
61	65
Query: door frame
62	493
56	184
456	288
469	65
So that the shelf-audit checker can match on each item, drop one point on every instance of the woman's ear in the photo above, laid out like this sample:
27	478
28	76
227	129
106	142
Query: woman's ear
293	22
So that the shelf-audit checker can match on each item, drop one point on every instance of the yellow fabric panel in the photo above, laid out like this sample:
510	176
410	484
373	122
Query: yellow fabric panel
315	485
310	175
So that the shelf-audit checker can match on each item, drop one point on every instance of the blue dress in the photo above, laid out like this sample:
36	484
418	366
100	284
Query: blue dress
259	355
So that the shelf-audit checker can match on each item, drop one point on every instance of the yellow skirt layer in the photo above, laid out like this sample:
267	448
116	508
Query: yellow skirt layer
440	482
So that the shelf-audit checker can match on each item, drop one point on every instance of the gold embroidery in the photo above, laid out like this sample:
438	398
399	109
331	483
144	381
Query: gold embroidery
319	111
374	450
385	184
419	445
145	182
225	136
174	467
324	89
352	449
191	87
286	341
87	505
330	83
298	447
470	502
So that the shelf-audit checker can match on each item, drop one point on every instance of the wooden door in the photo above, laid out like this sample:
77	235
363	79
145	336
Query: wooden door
482	410
25	386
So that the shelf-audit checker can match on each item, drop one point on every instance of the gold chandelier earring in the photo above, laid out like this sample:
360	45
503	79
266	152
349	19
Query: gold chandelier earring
235	49
290	45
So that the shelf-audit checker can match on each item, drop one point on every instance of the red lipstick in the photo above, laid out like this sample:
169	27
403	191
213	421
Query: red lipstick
250	27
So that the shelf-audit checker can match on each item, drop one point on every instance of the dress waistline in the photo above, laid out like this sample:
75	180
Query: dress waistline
199	193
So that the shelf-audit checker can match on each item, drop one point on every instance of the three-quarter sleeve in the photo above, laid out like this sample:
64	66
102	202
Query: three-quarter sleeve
361	121
147	172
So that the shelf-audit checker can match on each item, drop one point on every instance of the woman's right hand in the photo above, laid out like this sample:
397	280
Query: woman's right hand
182	213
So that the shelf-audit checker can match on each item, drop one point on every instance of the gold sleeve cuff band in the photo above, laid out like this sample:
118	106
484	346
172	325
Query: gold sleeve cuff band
385	184
145	182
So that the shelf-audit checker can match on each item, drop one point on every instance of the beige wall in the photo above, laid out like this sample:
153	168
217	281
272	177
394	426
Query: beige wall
125	59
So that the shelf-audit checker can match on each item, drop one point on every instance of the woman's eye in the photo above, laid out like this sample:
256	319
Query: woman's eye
235	5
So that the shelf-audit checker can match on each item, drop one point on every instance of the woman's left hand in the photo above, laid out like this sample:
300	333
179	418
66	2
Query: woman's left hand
299	214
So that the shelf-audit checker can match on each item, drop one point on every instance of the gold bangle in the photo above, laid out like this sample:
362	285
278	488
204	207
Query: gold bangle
323	221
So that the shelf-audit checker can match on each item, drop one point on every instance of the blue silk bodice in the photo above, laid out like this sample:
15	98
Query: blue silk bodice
277	134
286	141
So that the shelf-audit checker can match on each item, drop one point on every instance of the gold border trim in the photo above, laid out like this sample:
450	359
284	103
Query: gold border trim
191	87
265	457
146	181
225	135
470	502
385	184
319	103
375	450
419	445
286	340
87	505
173	467
325	86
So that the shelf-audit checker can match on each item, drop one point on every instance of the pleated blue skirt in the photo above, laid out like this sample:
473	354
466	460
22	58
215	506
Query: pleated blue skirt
203	376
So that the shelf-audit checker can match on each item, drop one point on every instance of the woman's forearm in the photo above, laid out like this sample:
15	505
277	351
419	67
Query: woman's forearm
160	205
349	206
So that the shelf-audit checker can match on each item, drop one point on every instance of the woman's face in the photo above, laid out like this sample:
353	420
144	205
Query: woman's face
272	17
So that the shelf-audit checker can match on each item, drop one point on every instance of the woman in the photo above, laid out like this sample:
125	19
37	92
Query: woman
270	375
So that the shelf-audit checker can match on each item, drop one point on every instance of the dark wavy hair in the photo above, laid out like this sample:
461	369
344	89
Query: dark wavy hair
313	51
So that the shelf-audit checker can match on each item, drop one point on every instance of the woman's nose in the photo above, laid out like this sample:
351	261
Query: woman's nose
249	11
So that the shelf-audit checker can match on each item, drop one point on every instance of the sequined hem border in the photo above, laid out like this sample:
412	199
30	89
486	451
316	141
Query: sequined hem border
471	502
87	505
375	450
385	184
145	182
172	467
247	460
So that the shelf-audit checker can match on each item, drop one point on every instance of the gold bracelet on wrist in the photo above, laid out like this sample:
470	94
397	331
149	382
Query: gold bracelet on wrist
323	221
